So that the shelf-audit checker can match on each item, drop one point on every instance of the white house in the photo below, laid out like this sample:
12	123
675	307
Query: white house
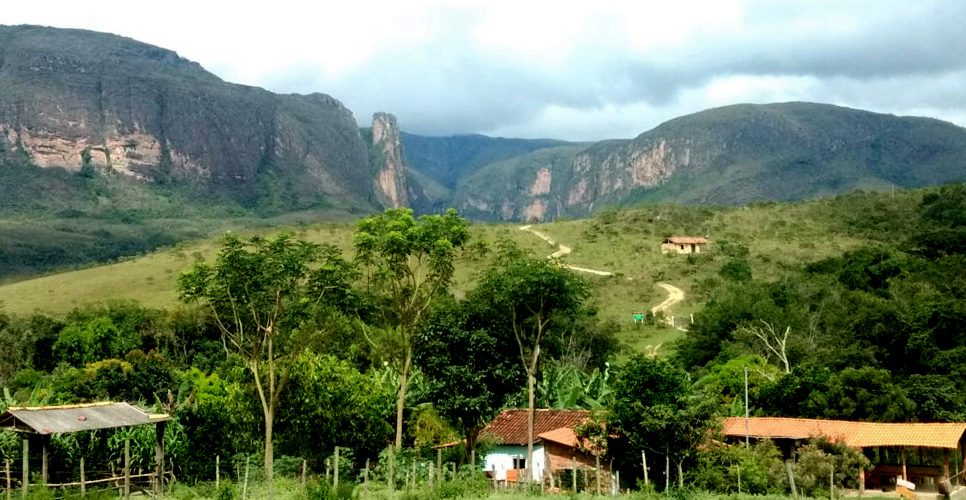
554	449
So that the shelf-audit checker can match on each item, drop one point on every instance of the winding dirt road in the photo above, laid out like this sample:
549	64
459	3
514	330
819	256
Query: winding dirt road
562	250
674	295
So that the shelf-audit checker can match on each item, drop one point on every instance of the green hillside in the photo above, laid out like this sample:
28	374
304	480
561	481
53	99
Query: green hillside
773	237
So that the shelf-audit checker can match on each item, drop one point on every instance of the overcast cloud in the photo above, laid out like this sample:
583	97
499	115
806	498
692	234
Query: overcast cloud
581	71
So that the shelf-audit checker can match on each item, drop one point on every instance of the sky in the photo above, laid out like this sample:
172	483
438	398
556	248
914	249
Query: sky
587	70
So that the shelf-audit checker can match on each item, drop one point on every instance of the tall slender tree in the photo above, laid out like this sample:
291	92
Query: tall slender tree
266	296
536	296
409	263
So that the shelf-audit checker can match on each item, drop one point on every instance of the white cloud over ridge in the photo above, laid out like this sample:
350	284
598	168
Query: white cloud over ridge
579	71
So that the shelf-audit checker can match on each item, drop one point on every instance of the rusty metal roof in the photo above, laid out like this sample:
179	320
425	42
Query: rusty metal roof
75	418
510	426
855	434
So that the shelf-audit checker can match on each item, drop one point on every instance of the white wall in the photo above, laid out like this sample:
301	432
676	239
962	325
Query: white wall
500	459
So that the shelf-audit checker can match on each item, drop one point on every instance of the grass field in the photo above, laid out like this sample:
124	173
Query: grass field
776	237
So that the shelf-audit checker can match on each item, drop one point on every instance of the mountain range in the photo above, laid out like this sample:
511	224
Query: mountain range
94	123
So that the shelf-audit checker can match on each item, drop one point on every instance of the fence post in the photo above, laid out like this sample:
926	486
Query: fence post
248	462
573	473
26	462
127	469
739	478
439	466
336	473
791	478
429	477
303	476
598	474
644	463
365	481
82	478
831	482
217	471
7	467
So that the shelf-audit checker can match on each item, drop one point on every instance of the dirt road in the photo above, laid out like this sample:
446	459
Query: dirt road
674	295
562	250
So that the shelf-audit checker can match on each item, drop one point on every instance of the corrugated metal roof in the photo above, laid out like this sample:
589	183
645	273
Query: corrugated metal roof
75	418
686	240
510	426
855	434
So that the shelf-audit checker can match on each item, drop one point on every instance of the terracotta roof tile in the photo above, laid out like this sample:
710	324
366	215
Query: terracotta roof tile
510	426
855	434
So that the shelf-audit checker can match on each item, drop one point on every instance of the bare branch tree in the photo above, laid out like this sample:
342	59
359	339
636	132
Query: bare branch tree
773	342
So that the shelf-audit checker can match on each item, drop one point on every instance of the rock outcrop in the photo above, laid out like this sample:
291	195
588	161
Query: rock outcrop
73	97
390	181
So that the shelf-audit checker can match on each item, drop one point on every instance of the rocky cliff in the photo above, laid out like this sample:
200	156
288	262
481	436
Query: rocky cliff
70	98
732	155
389	161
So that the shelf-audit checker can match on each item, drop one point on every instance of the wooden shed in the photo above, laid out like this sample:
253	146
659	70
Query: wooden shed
683	244
43	421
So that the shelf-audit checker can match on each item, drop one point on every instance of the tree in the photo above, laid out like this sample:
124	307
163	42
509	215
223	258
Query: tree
264	294
471	372
536	296
655	408
410	262
774	342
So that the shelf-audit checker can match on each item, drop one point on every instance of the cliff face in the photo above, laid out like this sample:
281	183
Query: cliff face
726	156
72	97
390	181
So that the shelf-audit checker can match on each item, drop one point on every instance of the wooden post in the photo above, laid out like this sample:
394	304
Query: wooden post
159	457
248	462
83	484
739	478
617	481
303	475
861	481
429	477
25	485
413	475
7	467
217	471
473	458
365	481
573	472
791	478
439	466
644	463
44	477
902	450
598	474
127	469
946	464
335	483
831	482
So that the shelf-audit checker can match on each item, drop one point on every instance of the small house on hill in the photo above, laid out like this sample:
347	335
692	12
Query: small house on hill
555	447
683	244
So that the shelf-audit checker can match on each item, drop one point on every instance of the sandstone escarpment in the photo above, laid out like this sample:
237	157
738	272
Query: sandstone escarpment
390	182
73	97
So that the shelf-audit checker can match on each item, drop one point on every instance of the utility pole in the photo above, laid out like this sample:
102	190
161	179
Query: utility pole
747	423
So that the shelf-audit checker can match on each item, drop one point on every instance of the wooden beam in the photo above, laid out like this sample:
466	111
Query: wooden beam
44	477
945	464
902	451
861	481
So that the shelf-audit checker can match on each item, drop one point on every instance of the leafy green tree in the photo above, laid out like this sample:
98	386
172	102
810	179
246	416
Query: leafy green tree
866	394
266	296
471	372
536	296
655	409
410	263
325	389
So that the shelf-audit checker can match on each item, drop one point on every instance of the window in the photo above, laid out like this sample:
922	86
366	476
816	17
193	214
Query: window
519	463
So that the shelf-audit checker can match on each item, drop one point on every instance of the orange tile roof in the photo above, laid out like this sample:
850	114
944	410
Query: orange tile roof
510	426
855	434
563	435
